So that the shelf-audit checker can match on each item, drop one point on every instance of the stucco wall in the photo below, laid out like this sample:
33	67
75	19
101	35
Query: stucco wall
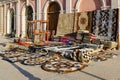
90	5
82	5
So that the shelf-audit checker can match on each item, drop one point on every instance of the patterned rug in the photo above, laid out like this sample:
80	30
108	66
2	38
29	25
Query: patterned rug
82	21
65	24
104	24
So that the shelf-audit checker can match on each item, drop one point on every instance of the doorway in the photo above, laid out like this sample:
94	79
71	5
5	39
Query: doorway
53	12
27	14
13	31
29	17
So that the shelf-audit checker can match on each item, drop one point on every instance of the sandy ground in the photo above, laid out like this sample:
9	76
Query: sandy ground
105	70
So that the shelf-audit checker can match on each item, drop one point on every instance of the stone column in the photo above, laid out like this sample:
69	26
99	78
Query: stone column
18	15
104	3
27	2
15	17
1	19
38	9
4	19
68	6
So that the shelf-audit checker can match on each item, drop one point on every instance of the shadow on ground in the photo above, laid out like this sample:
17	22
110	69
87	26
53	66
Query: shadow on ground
25	73
93	75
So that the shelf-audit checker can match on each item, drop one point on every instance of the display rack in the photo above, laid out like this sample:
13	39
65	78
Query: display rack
38	30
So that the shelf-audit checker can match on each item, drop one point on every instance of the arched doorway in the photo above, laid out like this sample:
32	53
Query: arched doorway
10	23
27	14
29	17
53	12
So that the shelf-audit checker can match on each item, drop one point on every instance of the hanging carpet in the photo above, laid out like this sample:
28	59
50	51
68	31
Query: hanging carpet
105	23
65	24
82	21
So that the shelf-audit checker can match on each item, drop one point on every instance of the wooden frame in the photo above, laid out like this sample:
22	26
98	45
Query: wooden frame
40	32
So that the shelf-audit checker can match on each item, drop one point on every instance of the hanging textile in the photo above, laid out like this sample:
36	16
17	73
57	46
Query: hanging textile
82	21
105	23
65	24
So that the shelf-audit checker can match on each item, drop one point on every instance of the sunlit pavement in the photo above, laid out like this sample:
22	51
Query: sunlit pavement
105	70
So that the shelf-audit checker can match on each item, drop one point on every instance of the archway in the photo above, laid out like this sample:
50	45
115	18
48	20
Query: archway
29	17
53	12
27	14
10	23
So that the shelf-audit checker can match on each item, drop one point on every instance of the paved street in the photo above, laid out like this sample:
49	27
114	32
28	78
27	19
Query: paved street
105	70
